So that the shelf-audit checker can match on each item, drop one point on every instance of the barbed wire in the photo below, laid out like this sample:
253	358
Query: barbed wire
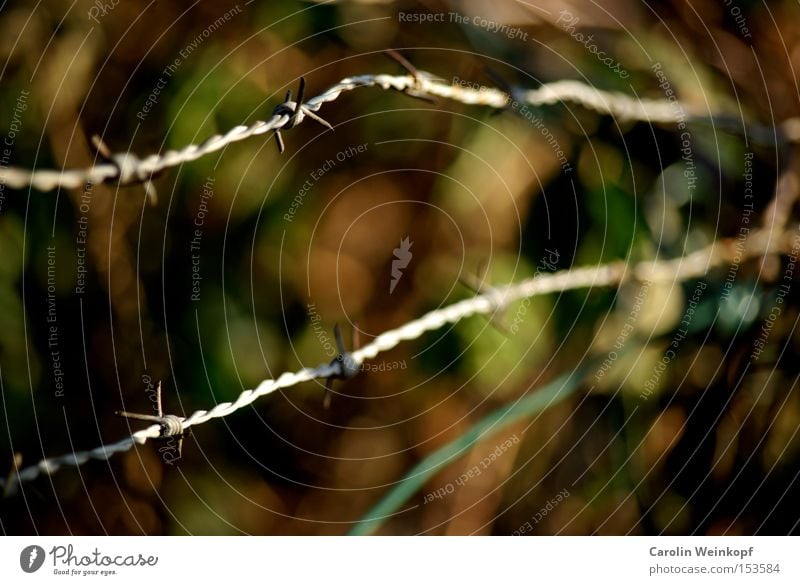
695	265
129	169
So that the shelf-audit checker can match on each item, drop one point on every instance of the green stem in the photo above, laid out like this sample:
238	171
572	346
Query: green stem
549	395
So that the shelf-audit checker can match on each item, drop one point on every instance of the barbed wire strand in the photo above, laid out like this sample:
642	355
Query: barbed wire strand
694	265
128	169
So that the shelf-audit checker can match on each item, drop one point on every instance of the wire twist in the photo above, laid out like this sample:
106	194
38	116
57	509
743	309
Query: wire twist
694	265
129	169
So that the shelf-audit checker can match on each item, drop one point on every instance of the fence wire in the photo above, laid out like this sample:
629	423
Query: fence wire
129	169
695	265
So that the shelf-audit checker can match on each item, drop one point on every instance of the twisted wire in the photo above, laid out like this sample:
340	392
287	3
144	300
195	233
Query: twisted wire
694	265
129	169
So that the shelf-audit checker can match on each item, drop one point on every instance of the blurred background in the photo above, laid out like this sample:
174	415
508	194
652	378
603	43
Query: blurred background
249	258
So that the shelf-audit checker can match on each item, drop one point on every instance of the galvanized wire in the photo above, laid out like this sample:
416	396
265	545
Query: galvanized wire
694	265
128	169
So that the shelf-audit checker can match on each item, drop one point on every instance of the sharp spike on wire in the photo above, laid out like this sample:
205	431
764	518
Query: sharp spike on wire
137	416
100	147
295	112
326	402
171	425
103	152
347	365
477	283
394	54
316	118
300	95
415	73
12	481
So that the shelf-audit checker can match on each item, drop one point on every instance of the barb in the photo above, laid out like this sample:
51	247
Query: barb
477	283
695	265
297	111
171	425
11	482
128	169
345	363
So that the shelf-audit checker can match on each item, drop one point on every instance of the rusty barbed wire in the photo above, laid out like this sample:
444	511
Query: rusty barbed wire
129	169
695	265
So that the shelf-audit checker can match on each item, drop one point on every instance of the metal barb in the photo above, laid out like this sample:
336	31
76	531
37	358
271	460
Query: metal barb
504	85
171	425
122	162
296	111
13	476
415	92
347	365
101	148
478	285
403	61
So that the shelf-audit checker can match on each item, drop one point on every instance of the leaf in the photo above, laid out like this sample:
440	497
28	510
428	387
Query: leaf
550	395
